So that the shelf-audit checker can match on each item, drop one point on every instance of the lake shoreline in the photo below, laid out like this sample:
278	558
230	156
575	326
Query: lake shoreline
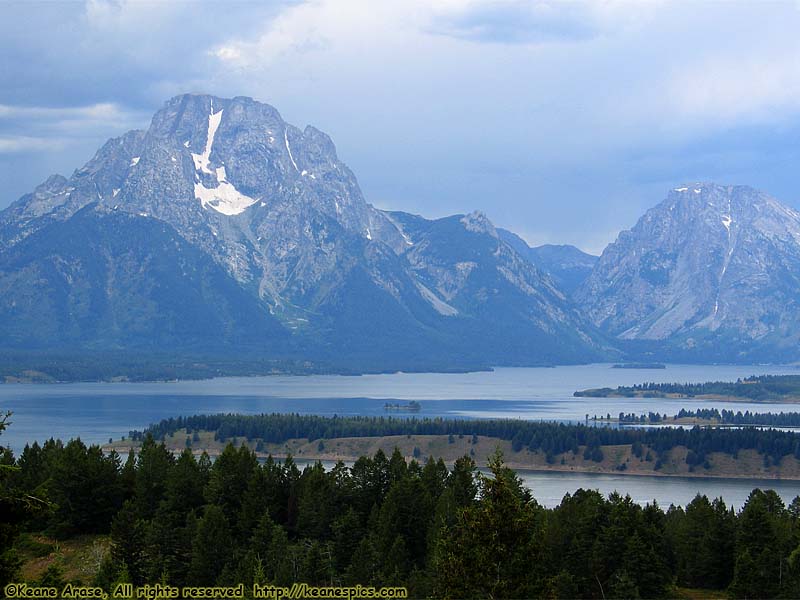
703	398
207	371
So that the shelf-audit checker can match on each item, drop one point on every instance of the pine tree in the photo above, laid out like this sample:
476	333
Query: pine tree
17	504
315	503
487	552
348	532
152	467
128	476
128	533
211	547
230	476
168	541
761	545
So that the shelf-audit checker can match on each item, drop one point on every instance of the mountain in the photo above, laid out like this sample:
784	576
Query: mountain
270	234
711	273
567	265
107	279
492	295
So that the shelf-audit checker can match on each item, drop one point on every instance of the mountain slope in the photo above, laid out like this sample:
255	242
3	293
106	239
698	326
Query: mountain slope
713	271
567	265
110	279
491	295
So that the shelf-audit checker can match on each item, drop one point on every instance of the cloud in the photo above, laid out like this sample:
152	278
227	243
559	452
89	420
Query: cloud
21	144
29	127
515	21
105	110
102	114
309	28
537	21
125	51
572	116
742	89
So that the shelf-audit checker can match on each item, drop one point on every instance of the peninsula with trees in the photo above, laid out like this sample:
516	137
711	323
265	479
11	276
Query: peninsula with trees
761	388
746	452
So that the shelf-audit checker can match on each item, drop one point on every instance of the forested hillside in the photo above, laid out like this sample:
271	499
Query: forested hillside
385	521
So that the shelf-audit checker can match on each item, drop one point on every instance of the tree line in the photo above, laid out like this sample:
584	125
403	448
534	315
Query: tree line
724	417
729	417
442	532
551	438
760	388
44	367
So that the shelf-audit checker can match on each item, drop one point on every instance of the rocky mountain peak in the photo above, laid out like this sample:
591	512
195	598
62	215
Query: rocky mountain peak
478	222
241	153
721	212
710	261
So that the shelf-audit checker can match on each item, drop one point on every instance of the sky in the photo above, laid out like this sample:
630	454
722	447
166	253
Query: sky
563	121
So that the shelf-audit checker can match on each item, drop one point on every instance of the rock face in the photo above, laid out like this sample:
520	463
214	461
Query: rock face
712	272
233	186
491	295
567	265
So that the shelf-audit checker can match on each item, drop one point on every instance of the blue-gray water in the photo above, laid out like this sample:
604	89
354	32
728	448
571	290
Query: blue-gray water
549	487
98	411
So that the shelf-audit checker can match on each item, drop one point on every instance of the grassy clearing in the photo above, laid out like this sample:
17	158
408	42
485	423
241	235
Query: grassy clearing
79	558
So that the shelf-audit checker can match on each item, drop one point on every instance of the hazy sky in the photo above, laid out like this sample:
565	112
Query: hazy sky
563	121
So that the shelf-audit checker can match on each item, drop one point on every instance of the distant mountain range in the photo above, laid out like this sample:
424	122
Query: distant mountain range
224	231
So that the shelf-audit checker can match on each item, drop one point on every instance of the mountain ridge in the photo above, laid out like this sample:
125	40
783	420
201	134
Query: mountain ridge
274	207
267	213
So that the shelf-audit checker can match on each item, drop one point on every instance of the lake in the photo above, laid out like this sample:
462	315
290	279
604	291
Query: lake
97	411
549	487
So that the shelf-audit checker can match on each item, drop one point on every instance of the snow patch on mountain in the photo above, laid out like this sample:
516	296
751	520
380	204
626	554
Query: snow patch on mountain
201	161
288	149
225	198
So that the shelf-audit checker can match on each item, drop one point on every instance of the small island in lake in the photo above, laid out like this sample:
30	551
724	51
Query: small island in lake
412	406
762	388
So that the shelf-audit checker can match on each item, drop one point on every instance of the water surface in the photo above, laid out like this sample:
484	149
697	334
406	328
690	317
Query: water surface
98	411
